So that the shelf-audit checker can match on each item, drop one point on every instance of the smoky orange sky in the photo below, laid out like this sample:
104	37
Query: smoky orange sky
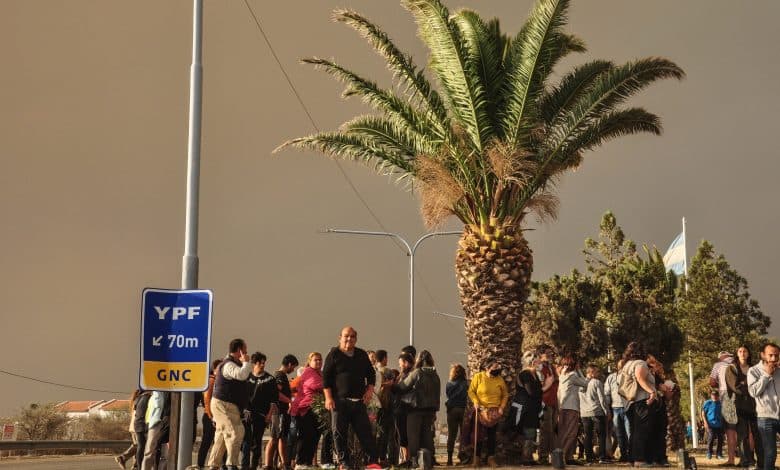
93	137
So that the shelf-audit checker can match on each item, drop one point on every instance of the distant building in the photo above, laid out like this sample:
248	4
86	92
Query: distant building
99	408
79	409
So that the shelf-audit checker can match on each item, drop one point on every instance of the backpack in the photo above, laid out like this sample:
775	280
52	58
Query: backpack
627	384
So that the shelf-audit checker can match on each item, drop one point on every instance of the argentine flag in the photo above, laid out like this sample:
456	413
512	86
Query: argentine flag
674	259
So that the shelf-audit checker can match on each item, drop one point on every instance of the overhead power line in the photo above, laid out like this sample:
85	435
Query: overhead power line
317	128
56	384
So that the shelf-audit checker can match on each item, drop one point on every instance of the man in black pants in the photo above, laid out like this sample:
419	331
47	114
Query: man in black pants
348	379
263	395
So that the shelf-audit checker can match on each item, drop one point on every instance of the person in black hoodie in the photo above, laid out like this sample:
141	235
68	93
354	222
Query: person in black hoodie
424	384
457	394
263	395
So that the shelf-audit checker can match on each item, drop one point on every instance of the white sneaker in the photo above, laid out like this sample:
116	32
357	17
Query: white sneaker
327	466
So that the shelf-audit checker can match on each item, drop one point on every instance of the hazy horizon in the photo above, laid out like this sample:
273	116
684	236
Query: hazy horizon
93	138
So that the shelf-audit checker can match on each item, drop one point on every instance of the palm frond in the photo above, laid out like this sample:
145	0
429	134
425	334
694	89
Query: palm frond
382	100
440	192
464	92
610	89
386	132
485	45
572	85
400	64
355	147
612	125
527	66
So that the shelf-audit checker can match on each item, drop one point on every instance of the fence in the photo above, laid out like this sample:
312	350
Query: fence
6	447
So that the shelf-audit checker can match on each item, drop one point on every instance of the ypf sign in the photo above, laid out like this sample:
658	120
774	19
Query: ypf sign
175	340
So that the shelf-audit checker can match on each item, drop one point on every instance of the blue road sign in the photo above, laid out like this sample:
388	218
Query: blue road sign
175	339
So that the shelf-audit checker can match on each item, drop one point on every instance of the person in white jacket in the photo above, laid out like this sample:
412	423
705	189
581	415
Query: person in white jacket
763	385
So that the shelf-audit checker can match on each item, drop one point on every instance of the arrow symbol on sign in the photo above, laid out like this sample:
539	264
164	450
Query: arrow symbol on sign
156	341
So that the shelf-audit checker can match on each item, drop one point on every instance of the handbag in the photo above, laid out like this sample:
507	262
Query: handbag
729	408
627	383
489	417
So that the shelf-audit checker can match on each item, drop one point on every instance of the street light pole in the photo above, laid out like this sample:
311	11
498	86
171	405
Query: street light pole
182	427
410	251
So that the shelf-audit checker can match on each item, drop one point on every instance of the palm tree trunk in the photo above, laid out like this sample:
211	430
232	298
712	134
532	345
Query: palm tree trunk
494	275
493	270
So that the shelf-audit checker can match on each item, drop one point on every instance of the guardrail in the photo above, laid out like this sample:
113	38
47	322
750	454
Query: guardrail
61	445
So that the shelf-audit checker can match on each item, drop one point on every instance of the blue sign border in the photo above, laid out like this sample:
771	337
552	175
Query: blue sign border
141	342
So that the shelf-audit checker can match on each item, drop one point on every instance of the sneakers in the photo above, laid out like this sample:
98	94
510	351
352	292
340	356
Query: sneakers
327	466
709	456
375	466
120	461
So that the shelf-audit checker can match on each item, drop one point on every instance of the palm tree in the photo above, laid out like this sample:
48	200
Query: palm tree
488	143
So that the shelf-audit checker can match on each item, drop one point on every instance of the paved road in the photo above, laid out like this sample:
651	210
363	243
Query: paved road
70	462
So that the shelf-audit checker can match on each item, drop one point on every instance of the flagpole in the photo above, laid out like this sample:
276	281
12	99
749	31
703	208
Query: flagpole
694	429
685	254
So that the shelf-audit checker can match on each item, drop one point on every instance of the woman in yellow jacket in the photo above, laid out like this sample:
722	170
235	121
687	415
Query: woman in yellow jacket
488	392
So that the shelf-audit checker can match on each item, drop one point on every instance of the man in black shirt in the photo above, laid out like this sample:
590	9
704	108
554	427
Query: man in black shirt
280	421
263	395
348	379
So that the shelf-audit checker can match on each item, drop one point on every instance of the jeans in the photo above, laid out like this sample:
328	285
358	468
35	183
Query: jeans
547	435
253	441
206	440
141	446
622	430
491	440
308	435
326	450
768	429
747	426
599	425
454	422
385	433
568	428
643	423
353	413
419	428
713	435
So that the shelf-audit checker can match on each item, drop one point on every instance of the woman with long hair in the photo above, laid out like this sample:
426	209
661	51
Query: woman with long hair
489	394
401	405
665	391
457	394
570	382
640	407
423	382
309	388
527	402
747	421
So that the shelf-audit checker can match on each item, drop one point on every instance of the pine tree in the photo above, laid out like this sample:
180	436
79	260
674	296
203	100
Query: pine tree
563	312
637	301
717	313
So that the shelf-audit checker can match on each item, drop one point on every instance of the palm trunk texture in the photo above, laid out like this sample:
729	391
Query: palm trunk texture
493	271
494	276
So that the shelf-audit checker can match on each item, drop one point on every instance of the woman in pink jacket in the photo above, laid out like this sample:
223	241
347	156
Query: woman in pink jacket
309	387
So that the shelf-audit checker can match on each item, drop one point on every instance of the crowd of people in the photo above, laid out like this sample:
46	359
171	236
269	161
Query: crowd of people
558	406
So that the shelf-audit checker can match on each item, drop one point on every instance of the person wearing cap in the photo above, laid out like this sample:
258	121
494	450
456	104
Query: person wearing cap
721	368
712	417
